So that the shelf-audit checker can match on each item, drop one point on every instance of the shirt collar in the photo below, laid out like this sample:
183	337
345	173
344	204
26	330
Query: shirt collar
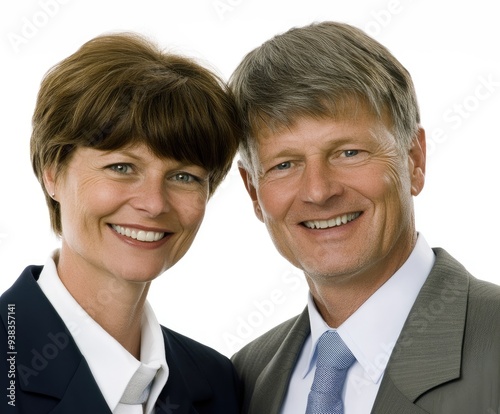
105	356
372	331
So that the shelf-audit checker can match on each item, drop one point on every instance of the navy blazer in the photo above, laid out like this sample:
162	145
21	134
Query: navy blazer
42	370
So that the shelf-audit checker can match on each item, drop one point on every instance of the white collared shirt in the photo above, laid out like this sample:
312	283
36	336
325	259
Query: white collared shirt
111	364
370	333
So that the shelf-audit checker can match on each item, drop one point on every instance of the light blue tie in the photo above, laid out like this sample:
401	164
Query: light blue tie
334	359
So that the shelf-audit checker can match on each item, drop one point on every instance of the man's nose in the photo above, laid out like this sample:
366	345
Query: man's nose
319	183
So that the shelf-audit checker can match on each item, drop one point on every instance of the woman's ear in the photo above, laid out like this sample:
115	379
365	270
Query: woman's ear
49	181
251	189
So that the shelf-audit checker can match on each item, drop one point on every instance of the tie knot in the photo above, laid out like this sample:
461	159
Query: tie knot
332	364
333	352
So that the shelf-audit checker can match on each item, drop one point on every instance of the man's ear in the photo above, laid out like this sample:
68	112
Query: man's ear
252	191
416	160
49	181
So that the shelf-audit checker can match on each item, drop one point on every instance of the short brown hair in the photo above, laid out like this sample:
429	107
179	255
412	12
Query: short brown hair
120	89
319	70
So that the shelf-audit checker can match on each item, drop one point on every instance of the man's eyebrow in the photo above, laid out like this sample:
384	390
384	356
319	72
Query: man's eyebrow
290	150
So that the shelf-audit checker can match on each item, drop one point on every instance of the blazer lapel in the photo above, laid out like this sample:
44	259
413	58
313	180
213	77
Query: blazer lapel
272	383
186	386
390	400
82	395
48	361
429	350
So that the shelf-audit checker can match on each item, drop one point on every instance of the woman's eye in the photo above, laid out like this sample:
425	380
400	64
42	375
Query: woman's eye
184	178
350	153
283	165
121	168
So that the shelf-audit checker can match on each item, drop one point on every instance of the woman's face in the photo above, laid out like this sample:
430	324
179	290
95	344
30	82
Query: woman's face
127	213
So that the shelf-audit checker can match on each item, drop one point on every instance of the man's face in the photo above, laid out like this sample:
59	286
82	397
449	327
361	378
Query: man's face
336	195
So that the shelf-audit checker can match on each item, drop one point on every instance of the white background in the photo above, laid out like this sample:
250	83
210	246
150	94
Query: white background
232	285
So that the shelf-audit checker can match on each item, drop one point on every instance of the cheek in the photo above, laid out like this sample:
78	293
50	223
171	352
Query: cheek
276	197
101	200
269	207
389	179
395	195
87	201
190	209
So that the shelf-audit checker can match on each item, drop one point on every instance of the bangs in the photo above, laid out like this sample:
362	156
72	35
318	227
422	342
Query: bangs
179	121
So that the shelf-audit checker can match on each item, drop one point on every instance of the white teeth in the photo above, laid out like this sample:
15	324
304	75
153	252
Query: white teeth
141	235
334	222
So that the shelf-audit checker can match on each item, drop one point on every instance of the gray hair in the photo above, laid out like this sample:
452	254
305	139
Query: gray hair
319	70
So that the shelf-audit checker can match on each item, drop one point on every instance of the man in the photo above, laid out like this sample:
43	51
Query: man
333	155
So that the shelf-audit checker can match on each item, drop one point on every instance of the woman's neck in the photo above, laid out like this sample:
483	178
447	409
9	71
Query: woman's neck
115	304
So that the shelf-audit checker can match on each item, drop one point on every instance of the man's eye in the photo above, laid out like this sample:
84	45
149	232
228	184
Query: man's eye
351	153
283	165
121	168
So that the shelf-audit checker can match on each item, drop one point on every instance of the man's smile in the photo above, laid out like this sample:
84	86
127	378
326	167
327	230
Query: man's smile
334	222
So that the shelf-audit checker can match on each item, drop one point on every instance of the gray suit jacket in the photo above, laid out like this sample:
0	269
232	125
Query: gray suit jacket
446	360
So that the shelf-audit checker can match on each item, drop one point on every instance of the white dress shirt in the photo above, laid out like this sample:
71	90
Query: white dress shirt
370	333
111	364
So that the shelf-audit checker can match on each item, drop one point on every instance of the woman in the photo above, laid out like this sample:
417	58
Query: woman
128	144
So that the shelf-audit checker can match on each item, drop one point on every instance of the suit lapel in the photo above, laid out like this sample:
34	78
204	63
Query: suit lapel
186	386
82	394
390	400
429	350
272	384
49	362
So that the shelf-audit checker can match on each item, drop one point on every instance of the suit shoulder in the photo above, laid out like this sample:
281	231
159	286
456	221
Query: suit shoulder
484	299
205	372
484	288
272	338
23	283
262	349
483	296
199	353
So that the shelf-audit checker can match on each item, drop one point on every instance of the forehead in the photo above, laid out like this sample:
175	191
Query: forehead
358	126
350	109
